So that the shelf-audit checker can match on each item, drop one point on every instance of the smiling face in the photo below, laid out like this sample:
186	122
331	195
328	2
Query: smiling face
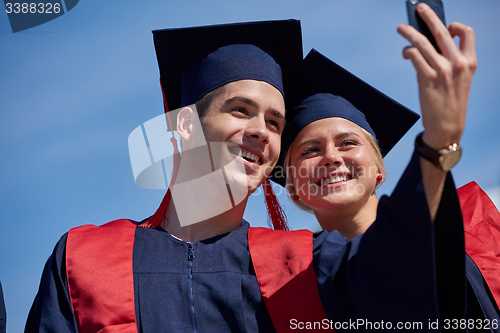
249	117
332	165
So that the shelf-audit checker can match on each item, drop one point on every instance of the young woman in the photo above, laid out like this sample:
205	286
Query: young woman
334	164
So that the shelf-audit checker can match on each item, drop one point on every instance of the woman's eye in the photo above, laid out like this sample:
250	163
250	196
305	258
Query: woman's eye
310	150
346	143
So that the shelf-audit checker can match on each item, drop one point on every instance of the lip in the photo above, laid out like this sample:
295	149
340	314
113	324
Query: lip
251	151
251	165
337	185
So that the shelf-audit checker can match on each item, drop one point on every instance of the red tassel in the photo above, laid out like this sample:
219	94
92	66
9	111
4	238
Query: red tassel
275	214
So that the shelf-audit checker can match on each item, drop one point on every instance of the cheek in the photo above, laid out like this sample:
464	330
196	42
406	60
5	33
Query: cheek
356	157
363	162
302	172
222	127
213	134
274	148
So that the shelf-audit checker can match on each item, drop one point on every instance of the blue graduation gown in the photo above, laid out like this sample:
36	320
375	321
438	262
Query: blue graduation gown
386	275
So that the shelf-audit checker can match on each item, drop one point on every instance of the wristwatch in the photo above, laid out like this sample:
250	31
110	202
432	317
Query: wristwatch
445	158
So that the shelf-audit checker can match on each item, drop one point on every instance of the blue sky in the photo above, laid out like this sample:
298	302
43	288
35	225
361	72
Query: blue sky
74	88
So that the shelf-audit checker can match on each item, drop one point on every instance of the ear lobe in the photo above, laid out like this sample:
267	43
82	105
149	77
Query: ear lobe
292	193
382	174
185	123
380	178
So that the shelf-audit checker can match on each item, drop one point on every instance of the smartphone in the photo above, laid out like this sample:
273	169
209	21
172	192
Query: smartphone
419	24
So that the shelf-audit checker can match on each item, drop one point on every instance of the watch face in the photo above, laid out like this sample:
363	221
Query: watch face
451	158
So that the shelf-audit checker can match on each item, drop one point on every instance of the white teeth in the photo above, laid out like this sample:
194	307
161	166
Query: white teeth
254	158
333	180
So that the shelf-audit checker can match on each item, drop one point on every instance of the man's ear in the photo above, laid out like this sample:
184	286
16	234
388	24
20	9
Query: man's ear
185	125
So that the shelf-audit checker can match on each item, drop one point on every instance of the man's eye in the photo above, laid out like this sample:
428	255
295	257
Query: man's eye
274	123
240	110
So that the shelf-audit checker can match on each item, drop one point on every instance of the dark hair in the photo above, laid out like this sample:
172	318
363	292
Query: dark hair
203	104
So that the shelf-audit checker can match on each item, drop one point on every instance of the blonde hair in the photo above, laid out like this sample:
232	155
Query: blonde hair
379	162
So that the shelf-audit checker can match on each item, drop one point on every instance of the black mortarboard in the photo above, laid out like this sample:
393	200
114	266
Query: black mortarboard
320	88
194	61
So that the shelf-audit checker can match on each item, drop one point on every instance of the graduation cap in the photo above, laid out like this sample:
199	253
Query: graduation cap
194	61
320	88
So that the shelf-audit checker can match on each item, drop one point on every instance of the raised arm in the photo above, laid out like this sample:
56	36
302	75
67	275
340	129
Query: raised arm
444	84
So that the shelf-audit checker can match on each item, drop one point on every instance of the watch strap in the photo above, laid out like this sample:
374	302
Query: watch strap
427	152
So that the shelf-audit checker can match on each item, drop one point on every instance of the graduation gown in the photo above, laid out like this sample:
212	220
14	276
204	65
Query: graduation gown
385	277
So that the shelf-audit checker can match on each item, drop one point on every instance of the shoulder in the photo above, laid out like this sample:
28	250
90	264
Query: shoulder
111	229
279	239
324	237
109	235
116	224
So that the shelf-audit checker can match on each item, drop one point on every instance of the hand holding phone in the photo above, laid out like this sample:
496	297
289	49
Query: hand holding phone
417	22
444	79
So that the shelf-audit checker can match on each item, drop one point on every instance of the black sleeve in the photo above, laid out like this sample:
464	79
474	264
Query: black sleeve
450	255
51	310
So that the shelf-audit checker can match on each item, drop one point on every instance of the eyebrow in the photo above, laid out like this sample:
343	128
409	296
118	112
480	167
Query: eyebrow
308	141
242	99
254	104
337	137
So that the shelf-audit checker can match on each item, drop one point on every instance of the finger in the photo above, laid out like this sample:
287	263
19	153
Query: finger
467	38
438	29
423	44
419	62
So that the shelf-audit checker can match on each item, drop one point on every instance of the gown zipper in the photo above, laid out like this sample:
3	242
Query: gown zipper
190	283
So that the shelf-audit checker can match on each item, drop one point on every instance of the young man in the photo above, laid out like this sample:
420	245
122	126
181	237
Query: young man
179	271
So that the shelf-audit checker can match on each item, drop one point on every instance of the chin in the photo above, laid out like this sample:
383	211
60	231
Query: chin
238	181
352	199
328	202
